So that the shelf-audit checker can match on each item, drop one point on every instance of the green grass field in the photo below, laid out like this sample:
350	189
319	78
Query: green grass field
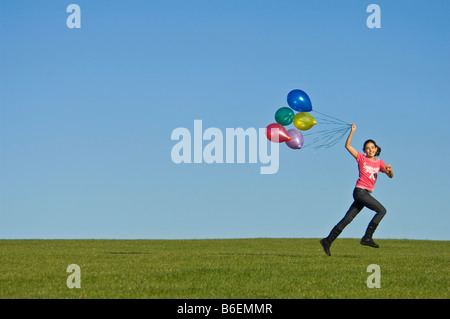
223	269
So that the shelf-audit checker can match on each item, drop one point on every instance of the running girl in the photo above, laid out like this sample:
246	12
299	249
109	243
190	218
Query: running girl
368	167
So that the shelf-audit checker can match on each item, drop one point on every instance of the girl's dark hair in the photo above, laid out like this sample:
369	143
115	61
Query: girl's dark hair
378	148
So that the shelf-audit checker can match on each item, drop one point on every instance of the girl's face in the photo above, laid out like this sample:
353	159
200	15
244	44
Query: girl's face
370	149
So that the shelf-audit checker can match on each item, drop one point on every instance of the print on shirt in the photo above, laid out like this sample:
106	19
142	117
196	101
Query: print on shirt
373	171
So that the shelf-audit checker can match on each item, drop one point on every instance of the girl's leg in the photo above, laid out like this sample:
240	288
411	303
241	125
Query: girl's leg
376	206
367	200
354	210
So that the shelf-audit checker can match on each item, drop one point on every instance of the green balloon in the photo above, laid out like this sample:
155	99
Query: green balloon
284	116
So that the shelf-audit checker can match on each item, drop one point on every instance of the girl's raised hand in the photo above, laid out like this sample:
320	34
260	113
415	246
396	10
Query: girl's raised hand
353	127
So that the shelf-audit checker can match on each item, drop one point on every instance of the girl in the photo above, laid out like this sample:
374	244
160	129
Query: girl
368	167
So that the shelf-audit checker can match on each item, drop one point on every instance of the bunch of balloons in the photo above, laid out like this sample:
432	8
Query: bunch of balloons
298	101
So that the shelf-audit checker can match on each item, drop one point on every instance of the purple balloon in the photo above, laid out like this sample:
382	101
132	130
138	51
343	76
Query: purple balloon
296	141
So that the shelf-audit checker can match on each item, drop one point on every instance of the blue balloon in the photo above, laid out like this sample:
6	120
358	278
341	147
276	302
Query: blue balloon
299	101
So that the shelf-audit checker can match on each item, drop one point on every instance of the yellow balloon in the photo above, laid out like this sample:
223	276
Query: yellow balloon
304	121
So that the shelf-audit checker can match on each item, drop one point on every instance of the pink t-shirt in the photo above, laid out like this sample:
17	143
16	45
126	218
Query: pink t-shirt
368	171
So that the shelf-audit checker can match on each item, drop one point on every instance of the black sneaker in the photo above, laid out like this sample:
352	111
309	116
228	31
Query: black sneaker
369	242
326	246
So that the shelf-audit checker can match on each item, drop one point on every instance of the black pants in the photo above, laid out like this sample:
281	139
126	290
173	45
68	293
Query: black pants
362	199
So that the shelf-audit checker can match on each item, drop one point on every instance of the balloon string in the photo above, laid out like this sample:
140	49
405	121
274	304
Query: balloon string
327	131
327	121
328	138
336	140
332	117
327	135
331	142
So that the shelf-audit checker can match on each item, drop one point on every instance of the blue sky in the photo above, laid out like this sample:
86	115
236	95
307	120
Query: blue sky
86	116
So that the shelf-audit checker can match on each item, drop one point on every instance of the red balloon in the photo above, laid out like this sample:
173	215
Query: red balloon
277	133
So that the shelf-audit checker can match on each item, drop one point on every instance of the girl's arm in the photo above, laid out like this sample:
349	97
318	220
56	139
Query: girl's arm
388	171
348	143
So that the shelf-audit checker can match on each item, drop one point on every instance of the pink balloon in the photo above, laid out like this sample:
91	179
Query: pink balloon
277	133
296	141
